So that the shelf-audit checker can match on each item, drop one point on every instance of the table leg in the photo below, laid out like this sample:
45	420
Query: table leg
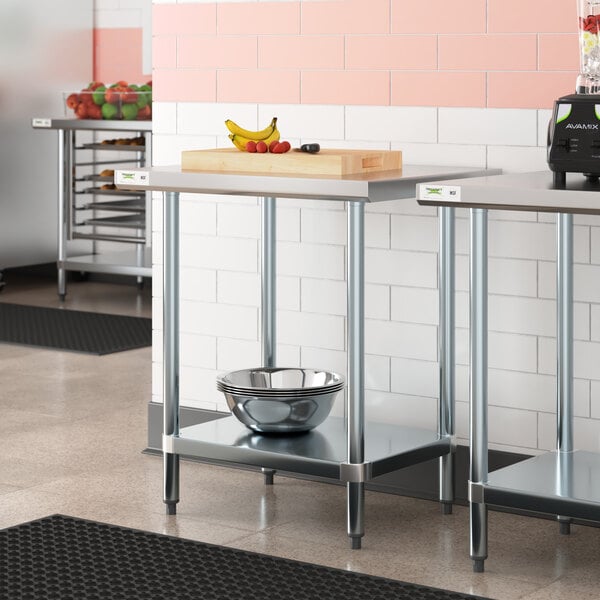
268	282
564	346
446	347
478	382
65	158
171	345
269	293
356	367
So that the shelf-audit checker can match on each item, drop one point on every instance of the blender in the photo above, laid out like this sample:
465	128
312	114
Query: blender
574	129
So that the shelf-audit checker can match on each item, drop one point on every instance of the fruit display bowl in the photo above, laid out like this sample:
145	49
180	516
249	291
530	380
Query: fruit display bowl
280	400
118	101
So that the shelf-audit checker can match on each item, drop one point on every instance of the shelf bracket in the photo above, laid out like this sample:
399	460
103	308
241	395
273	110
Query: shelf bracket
168	444
476	493
355	473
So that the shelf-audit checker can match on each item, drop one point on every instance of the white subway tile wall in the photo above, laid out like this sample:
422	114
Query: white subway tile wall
221	279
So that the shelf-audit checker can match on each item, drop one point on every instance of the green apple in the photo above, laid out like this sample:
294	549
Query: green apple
143	99
98	95
129	111
109	111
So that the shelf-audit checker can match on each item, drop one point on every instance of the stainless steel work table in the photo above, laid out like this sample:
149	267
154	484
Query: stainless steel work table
349	449
136	263
566	482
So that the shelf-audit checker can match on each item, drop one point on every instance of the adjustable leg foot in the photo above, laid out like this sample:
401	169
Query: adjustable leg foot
446	508
62	297
355	498
269	474
171	508
564	527
478	565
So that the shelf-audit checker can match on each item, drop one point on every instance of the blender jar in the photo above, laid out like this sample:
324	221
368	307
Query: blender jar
588	81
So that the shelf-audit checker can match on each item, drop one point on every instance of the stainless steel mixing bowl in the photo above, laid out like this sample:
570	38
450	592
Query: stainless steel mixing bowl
280	415
278	379
283	401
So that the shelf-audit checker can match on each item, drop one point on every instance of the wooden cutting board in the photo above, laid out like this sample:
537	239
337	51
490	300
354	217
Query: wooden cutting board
325	162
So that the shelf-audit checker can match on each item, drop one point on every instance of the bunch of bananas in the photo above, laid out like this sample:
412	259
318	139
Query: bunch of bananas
240	136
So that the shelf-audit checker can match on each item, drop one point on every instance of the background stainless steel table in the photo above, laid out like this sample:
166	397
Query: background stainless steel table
137	262
564	482
346	450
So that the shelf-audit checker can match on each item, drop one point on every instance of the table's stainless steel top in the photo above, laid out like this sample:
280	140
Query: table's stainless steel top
370	187
516	191
96	124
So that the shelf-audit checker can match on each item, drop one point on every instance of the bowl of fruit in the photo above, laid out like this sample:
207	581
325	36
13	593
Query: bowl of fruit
118	101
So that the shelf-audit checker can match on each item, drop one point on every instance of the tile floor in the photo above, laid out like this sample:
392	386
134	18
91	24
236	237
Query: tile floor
72	431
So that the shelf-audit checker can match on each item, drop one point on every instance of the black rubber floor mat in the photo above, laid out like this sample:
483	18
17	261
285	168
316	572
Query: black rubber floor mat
94	333
64	558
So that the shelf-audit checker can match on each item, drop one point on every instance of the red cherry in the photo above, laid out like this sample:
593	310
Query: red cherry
251	146
261	147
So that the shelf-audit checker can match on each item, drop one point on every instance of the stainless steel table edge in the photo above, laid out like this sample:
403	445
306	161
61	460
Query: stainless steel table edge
171	184
92	124
374	187
530	192
489	193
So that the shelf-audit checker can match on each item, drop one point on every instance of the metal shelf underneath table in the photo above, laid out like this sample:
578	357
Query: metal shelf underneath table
321	452
117	263
562	483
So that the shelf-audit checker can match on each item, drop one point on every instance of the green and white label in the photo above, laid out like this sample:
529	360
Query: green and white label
439	192
132	177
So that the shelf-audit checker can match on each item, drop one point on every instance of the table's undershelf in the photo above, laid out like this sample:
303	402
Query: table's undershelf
566	483
321	452
118	263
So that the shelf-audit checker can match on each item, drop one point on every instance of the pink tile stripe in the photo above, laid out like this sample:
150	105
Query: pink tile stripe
488	52
213	51
513	53
528	90
349	16
118	55
184	85
301	52
182	19
534	16
391	52
438	16
275	85
262	17
438	88
558	52
346	87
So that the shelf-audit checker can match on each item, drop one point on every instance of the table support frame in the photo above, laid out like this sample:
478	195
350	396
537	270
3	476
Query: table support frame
446	351
478	380
171	227
355	491
478	349
355	421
